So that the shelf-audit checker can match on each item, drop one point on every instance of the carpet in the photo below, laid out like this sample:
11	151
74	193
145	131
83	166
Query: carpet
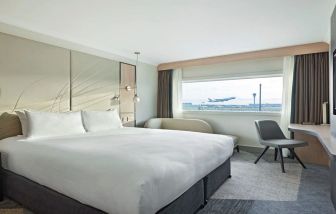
10	207
308	189
262	181
12	211
227	206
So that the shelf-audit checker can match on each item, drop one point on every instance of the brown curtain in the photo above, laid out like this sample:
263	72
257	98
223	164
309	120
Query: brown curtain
310	87
165	94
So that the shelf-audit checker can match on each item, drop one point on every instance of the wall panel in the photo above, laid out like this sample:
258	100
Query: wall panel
33	75
94	81
36	75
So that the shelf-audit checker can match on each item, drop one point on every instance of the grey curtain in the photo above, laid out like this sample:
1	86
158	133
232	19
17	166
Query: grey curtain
310	87
165	94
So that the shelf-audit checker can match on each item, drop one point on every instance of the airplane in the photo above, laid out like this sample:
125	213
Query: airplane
220	100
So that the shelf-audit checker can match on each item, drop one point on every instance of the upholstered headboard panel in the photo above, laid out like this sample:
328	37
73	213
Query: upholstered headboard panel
10	125
43	77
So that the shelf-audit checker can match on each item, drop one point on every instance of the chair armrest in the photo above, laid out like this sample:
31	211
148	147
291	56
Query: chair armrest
194	125
154	123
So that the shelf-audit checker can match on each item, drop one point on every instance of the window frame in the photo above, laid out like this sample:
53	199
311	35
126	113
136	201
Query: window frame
214	112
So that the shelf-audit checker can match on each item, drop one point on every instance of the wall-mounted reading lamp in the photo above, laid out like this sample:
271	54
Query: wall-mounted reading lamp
116	99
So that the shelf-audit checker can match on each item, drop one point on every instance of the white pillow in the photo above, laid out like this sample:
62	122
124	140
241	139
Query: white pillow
24	122
101	120
48	124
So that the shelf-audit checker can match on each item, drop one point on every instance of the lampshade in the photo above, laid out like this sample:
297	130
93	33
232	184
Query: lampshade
136	99
115	100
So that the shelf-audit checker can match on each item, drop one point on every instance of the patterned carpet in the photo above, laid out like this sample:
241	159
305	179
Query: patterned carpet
259	189
262	181
10	207
263	189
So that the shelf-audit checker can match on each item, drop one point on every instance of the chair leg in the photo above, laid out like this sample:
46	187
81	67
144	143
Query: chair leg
266	148
275	154
297	158
282	162
237	148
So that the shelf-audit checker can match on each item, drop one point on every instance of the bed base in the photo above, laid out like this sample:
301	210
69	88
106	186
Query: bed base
43	200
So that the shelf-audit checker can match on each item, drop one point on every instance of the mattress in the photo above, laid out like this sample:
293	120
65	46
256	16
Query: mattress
123	171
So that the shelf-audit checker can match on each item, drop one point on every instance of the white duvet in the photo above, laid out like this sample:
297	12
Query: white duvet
125	171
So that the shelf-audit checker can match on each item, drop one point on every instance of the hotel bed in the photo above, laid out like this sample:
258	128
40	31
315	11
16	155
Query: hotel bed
121	171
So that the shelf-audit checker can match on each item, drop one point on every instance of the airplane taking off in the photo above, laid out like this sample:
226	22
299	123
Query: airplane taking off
220	100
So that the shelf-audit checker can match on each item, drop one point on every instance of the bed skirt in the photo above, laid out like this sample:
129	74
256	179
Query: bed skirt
43	200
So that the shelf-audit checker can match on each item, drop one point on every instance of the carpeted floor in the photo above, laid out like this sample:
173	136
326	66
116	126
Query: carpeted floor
10	207
262	181
263	189
259	189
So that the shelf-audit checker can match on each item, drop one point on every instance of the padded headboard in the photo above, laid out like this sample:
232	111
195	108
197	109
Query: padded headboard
10	125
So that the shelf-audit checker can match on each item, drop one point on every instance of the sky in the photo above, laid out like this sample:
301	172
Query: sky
242	89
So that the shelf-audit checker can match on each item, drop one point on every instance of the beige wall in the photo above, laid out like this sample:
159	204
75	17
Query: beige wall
94	81
35	75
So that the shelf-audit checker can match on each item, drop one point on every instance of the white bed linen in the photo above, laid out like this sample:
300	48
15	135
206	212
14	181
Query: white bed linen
122	171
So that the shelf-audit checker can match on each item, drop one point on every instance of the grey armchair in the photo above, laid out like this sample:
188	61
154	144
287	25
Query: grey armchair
270	135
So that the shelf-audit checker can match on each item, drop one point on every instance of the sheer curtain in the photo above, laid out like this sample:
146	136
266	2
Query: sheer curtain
177	93
288	71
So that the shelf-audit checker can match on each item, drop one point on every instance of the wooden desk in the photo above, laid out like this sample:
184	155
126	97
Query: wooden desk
325	152
318	139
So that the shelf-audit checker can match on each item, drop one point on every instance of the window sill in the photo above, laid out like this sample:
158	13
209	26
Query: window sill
247	113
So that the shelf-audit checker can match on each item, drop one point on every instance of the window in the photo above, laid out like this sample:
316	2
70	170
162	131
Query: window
233	95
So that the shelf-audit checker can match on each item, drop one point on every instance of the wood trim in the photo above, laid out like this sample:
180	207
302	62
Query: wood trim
275	52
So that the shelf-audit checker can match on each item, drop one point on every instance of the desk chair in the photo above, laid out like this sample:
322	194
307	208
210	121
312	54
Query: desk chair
270	135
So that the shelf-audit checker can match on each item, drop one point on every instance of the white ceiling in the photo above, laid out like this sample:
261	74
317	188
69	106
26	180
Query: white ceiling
170	30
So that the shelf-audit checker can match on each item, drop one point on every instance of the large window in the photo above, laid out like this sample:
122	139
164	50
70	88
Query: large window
233	95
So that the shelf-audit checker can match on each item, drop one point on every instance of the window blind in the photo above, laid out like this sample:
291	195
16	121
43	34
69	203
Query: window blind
232	70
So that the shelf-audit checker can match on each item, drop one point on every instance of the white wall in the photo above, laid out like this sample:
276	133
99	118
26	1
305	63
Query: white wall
239	124
147	82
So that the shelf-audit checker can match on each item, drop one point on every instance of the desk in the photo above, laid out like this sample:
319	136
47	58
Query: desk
319	138
328	142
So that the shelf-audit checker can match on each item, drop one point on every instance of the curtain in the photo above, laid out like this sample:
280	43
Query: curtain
288	70
165	94
310	88
177	93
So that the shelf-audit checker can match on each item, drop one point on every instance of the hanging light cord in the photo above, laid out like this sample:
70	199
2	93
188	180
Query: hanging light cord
136	68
